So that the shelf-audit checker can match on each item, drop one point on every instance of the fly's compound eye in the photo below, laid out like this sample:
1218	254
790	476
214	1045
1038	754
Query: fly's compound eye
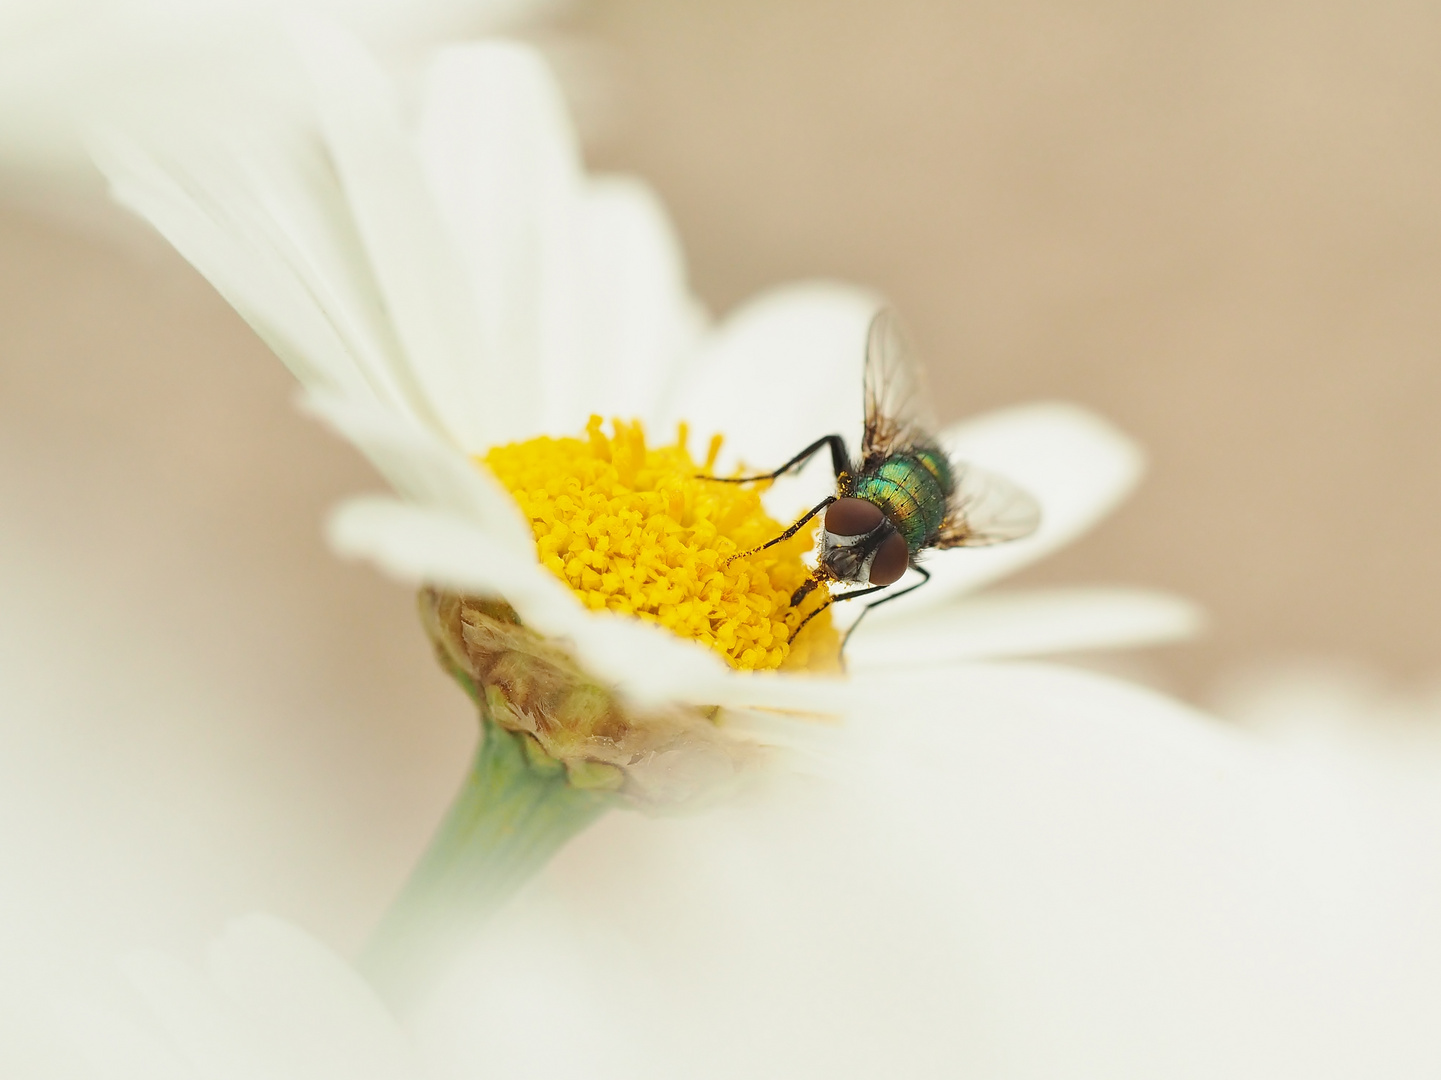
892	558
852	517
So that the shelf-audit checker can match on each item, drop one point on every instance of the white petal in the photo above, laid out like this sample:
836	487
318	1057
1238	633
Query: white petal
439	547
202	1028
1078	467
249	274
421	279
1023	623
273	1004
645	662
309	1004
114	1048
640	319
806	696
899	926
286	193
502	162
778	373
419	465
263	219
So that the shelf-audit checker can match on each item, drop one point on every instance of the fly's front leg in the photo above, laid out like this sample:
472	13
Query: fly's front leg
840	462
812	512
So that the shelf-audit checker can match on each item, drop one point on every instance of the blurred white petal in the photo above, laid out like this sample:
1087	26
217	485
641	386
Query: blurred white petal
115	1048
421	280
1019	850
1034	622
435	545
256	280
641	319
62	62
650	664
270	1004
263	217
205	1030
501	160
303	993
428	470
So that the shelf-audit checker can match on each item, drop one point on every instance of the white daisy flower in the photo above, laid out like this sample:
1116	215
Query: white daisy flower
447	291
465	304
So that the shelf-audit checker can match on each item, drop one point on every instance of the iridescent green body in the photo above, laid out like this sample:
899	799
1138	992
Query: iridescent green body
912	489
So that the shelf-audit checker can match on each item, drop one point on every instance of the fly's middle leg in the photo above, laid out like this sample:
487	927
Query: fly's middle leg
840	462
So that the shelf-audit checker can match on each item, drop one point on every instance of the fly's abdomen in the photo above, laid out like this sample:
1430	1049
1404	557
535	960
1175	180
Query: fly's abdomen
911	490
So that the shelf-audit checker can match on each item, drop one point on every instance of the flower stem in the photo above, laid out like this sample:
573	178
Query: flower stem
514	811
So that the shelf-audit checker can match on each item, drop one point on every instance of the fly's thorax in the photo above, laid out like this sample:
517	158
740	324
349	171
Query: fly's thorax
912	490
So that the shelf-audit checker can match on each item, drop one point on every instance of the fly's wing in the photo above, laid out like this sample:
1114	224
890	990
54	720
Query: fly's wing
987	509
897	404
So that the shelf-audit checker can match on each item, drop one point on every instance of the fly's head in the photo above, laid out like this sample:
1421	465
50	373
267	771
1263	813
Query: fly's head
860	545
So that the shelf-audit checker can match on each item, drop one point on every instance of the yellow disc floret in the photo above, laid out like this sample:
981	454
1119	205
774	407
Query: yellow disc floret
638	530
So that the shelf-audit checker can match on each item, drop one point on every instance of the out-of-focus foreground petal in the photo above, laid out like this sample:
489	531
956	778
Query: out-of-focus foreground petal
270	1004
1033	873
1028	872
62	61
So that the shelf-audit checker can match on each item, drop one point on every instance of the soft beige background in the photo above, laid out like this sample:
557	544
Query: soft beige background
1217	224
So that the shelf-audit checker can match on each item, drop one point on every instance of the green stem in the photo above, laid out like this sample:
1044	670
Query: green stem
515	810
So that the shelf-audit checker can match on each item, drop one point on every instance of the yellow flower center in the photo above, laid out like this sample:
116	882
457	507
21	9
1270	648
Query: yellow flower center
639	530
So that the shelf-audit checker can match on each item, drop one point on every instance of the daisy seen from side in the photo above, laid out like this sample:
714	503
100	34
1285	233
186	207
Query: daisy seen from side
513	345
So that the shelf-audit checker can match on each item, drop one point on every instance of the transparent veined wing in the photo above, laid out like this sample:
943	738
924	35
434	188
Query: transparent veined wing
987	509
897	402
